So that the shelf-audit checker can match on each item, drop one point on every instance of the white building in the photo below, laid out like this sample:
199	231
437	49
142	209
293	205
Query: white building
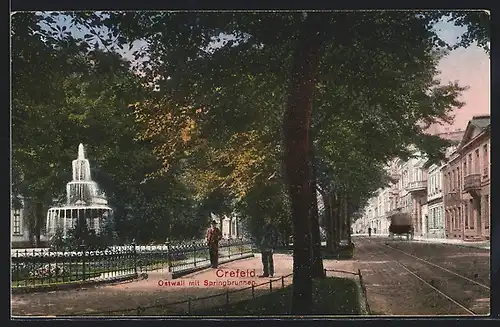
229	225
18	225
435	210
417	189
20	211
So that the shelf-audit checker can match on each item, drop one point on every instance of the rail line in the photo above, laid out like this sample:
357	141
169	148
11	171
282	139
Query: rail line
438	266
417	276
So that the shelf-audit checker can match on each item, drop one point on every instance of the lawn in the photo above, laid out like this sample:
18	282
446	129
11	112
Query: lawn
331	296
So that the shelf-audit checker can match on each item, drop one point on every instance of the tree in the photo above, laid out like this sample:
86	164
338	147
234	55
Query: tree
297	155
369	101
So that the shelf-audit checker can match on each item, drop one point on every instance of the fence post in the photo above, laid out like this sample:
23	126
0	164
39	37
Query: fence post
83	260
194	253
324	272
241	246
189	306
253	291
134	258
282	281
229	247
169	262
227	297
270	286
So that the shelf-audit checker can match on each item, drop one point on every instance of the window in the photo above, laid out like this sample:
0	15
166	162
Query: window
458	178
471	214
476	164
470	164
453	180
466	215
447	217
487	212
16	226
485	160
465	167
445	189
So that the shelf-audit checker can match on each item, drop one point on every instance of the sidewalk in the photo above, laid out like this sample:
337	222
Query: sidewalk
481	245
156	290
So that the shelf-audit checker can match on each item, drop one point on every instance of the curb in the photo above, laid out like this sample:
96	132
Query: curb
178	274
465	245
70	285
363	298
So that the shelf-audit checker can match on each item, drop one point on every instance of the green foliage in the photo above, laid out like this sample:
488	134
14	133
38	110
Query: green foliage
211	137
332	296
81	237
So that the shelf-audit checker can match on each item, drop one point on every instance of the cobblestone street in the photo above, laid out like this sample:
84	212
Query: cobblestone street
413	278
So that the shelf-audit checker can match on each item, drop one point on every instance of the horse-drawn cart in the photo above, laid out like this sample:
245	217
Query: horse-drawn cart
401	224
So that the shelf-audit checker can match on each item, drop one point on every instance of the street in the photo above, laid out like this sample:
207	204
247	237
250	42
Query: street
401	278
412	278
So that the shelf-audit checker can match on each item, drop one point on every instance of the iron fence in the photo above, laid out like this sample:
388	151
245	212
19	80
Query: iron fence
46	267
192	306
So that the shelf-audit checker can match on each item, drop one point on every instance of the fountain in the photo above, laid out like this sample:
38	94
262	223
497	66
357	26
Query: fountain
84	200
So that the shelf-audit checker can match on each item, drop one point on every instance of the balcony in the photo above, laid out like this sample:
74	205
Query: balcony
394	191
417	186
472	184
452	196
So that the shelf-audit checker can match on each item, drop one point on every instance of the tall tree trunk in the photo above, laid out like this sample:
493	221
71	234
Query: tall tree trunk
338	218
345	229
349	215
296	130
317	260
335	208
327	219
39	215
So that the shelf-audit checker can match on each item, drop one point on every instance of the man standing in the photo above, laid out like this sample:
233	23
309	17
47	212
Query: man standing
214	235
268	244
369	231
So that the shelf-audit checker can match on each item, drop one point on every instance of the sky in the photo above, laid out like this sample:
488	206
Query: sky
470	66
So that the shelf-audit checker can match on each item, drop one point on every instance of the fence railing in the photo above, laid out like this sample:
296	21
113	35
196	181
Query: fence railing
45	267
189	307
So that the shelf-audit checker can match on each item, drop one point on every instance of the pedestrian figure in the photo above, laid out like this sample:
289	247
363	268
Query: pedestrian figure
369	231
214	235
268	244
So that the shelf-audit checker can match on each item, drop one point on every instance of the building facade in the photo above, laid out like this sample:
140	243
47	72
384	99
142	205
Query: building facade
18	224
453	197
22	214
419	189
435	208
473	180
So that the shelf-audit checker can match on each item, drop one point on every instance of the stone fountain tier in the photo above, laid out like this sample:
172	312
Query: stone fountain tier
84	201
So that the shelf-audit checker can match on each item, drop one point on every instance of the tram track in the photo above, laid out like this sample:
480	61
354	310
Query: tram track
453	287
440	267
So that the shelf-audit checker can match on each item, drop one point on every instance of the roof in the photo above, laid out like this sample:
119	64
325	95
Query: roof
481	121
477	122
